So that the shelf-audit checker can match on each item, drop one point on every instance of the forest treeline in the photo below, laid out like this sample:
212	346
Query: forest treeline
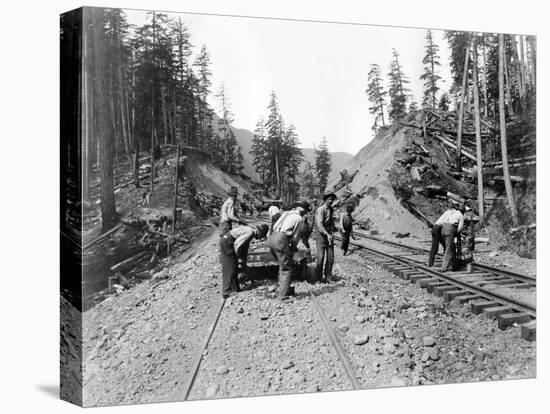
395	101
146	86
493	78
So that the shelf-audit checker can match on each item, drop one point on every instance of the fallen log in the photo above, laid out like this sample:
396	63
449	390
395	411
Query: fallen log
524	227
130	262
101	237
175	237
450	145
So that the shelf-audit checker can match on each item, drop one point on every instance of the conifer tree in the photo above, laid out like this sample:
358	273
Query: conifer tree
397	90
323	164
430	76
309	181
203	83
377	95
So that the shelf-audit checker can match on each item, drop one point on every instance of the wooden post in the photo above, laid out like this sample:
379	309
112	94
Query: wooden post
424	126
503	144
136	165
174	215
484	79
481	208
461	110
152	138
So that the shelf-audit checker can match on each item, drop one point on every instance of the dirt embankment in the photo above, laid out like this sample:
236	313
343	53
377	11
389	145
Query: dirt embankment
401	168
139	247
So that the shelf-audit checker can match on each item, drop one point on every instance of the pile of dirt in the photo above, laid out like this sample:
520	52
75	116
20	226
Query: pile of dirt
377	203
402	180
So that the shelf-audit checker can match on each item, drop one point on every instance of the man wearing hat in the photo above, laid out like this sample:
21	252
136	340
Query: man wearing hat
233	251
283	242
324	226
346	227
228	212
444	231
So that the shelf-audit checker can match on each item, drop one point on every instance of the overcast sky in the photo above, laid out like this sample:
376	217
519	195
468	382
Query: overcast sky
317	70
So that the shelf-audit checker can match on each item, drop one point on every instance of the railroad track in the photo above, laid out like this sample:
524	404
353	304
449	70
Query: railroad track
465	287
328	329
406	263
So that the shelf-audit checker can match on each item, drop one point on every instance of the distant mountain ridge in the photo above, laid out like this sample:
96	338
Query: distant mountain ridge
244	137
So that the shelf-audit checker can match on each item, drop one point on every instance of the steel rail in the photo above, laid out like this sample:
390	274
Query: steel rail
513	275
518	305
199	354
334	340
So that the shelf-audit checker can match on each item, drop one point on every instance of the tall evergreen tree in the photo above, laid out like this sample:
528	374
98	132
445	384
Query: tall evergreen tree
397	90
309	181
203	84
275	151
377	95
430	76
323	164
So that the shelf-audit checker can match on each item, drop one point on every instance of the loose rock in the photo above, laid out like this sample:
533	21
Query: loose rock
361	339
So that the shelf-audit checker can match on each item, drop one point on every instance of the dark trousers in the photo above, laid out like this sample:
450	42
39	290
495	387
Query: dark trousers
279	244
325	257
437	238
345	240
449	232
228	259
225	227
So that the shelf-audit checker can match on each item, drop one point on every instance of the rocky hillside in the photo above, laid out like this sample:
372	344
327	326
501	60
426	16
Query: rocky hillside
379	206
402	180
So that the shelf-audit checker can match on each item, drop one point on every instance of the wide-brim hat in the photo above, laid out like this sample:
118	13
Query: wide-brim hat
233	192
329	195
303	204
262	230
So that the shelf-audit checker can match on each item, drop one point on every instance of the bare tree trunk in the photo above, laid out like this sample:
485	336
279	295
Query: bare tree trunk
121	92
503	143
104	126
484	80
533	60
480	197
134	98
85	119
164	115
461	110
508	88
174	118
136	165
152	138
522	64
174	215
518	73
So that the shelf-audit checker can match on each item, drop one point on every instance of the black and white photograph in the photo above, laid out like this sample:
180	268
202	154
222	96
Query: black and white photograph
256	206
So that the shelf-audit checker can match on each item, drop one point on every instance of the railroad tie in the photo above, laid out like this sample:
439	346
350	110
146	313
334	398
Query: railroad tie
449	295
495	311
467	298
440	290
509	319
529	331
478	306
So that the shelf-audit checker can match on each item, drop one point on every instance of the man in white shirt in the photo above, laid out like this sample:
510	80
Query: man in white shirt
444	231
228	212
287	232
234	249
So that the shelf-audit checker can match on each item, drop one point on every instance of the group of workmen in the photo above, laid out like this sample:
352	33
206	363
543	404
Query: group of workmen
284	234
290	227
